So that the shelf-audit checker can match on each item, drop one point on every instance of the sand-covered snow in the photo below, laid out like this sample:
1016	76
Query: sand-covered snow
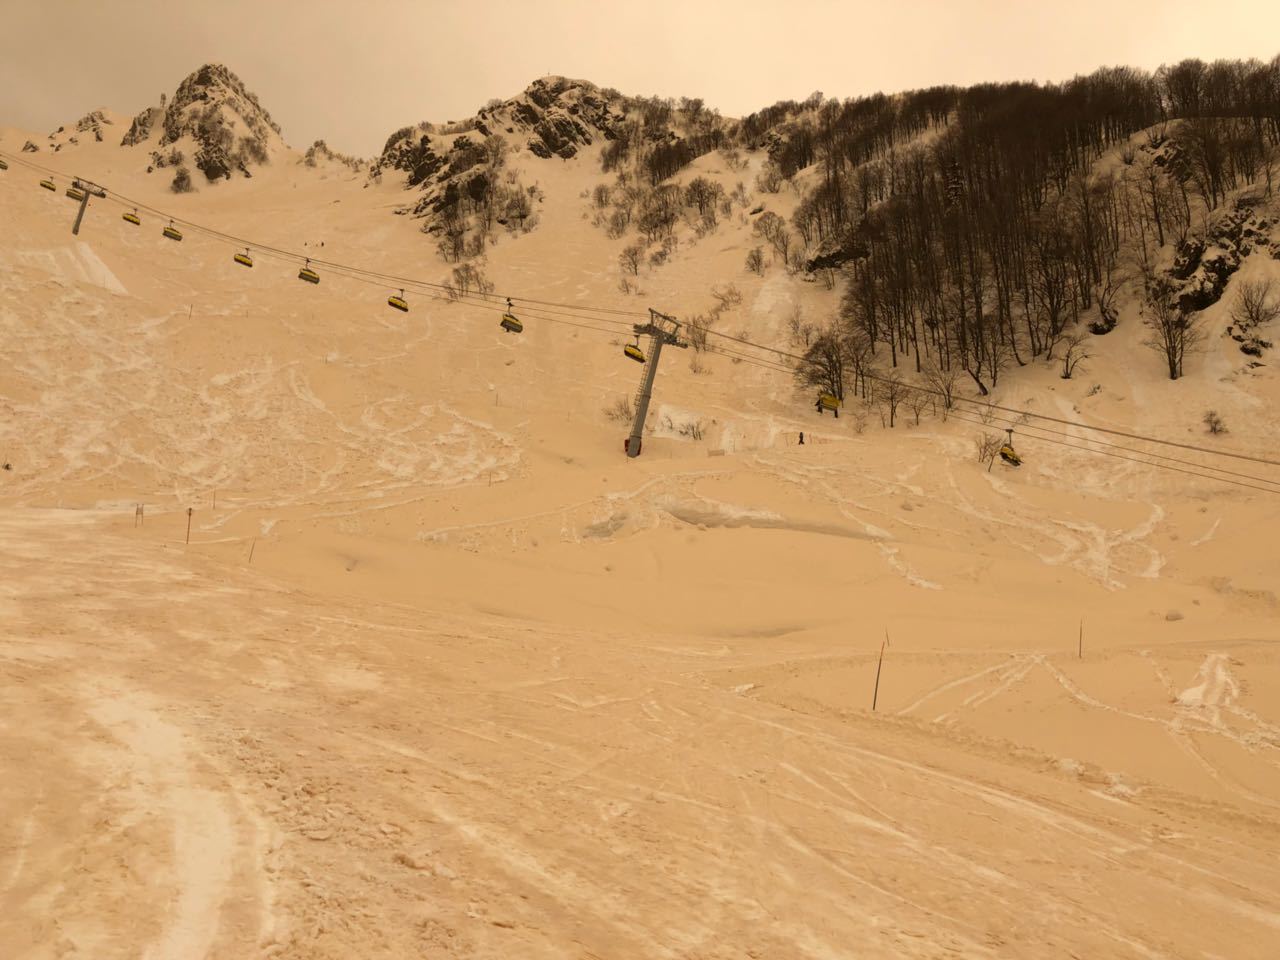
442	674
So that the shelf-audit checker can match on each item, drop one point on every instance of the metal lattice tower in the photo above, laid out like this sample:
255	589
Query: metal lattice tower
661	329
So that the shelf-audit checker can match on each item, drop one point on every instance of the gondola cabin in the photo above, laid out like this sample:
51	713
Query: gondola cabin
49	185
4	164
1009	455
827	402
511	324
243	259
634	352
172	232
309	275
131	218
75	193
400	303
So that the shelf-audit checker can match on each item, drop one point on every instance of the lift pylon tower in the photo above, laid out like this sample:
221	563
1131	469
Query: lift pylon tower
661	329
89	190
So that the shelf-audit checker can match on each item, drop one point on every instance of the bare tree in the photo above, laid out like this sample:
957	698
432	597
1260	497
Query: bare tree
1074	353
823	365
727	298
770	178
519	206
774	230
696	329
1213	423
755	261
858	351
1173	331
631	257
987	446
495	151
470	276
703	194
890	392
799	331
1254	305
622	409
917	401
860	418
1105	293
453	243
943	381
618	222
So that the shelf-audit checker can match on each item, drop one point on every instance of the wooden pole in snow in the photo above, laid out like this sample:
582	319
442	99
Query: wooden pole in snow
1080	643
875	696
190	510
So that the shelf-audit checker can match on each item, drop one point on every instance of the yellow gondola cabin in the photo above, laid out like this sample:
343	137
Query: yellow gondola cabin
132	218
49	185
634	352
172	232
243	258
400	303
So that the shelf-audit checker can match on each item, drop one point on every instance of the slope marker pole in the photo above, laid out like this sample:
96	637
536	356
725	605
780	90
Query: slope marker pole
875	696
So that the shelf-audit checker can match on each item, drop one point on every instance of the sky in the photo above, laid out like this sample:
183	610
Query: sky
353	72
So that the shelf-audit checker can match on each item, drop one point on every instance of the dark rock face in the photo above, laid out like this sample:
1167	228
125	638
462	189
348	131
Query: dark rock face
836	252
563	115
1204	265
525	114
558	116
560	134
92	123
214	163
212	106
1187	258
456	177
410	150
141	127
29	147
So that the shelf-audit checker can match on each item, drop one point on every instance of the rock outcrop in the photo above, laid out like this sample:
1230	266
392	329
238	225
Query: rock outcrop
556	116
319	152
231	131
142	126
410	150
93	123
455	166
1203	265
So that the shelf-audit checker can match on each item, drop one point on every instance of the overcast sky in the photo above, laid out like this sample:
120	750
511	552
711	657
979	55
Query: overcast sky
352	72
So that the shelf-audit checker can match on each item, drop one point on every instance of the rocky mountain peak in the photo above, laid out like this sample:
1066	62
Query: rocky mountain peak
558	115
230	128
